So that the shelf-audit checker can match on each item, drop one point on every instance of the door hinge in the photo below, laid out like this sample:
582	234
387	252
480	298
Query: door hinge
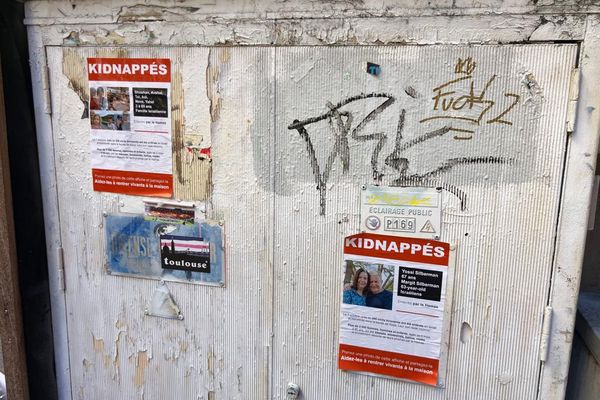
545	338
60	264
573	99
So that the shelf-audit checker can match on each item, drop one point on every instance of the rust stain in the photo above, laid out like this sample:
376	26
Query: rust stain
98	344
107	360
211	395
141	363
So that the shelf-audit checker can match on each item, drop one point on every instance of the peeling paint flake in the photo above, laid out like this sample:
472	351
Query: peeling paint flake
212	84
74	70
192	167
87	364
98	344
211	362
116	360
141	364
120	325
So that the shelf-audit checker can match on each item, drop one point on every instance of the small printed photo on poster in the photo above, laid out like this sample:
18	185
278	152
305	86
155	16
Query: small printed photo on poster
110	120
367	284
109	98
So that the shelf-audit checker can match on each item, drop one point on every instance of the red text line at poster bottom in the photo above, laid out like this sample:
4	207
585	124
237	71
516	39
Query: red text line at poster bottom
404	366
133	183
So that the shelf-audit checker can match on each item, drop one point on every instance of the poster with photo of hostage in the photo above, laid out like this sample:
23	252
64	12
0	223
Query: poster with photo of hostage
393	304
130	137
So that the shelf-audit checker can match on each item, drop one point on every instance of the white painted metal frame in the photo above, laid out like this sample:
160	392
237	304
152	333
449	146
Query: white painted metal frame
572	225
93	22
41	99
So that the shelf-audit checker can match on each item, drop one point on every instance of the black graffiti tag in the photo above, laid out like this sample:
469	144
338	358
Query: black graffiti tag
340	122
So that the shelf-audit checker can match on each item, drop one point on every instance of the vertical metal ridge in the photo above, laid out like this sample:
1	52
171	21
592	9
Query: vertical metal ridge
244	115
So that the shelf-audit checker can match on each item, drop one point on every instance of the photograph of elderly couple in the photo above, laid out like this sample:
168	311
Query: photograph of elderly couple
369	285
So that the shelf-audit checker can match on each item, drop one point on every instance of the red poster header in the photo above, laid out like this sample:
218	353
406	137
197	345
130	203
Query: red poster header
398	248
129	69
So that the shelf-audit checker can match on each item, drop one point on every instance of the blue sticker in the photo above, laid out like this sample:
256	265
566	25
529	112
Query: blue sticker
133	248
373	69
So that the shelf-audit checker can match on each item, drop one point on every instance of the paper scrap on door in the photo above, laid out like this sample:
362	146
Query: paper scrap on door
392	311
401	211
130	121
169	213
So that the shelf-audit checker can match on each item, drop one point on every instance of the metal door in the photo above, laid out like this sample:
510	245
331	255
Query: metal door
220	349
295	132
500	161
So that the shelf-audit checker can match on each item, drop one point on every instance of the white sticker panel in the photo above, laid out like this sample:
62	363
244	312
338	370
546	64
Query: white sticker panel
401	211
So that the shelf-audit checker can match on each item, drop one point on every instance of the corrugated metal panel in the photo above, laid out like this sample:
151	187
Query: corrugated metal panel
509	174
284	234
220	349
